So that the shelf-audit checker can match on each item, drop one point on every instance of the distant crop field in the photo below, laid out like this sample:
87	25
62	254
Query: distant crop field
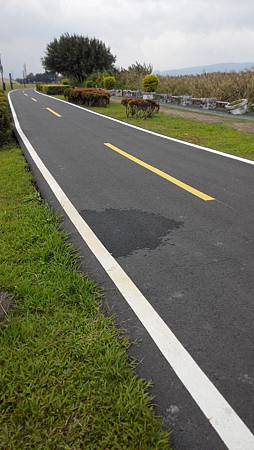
226	86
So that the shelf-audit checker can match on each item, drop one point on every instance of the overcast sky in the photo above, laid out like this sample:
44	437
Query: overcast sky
168	33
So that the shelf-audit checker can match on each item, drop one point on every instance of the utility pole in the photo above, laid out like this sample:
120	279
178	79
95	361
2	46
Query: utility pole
11	83
24	74
2	74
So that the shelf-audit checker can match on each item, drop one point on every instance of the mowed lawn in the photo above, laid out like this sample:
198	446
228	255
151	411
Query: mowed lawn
216	136
65	378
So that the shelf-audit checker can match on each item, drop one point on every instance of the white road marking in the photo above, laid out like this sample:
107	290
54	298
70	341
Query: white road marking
189	144
231	429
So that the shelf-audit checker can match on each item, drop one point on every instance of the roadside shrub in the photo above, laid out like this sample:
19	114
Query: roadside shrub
150	83
109	82
140	108
88	96
39	87
5	121
52	89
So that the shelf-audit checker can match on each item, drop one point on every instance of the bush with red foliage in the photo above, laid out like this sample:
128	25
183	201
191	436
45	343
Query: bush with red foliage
139	107
87	96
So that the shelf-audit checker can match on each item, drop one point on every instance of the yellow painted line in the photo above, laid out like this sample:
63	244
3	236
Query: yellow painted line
54	112
34	99
162	174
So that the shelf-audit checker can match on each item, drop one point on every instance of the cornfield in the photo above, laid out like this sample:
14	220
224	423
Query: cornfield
227	86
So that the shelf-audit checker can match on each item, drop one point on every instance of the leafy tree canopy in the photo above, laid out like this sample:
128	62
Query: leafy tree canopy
77	56
142	69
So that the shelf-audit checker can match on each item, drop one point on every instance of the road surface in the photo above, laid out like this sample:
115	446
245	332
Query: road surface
179	221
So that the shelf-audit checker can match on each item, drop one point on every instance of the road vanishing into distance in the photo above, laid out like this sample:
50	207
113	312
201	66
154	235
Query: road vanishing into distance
167	230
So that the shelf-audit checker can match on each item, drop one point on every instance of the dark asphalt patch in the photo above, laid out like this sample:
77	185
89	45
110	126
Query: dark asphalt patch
125	231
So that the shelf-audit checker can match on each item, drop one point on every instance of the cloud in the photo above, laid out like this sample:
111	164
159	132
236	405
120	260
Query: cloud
167	33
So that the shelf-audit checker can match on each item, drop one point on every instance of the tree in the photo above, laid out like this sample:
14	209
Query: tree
142	69
77	56
109	82
132	77
150	83
45	77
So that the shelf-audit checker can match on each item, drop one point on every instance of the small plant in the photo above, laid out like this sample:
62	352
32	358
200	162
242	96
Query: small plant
87	96
109	82
140	108
150	83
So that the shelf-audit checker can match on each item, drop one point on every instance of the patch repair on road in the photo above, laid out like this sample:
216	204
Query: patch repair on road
124	231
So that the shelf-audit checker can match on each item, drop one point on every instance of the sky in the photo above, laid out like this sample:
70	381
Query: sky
169	34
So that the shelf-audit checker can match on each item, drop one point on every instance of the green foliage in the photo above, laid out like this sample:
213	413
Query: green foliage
5	121
77	56
88	96
96	79
132	78
109	82
143	69
150	83
90	83
140	108
52	89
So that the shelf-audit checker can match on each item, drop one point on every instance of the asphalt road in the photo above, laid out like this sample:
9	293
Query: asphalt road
192	259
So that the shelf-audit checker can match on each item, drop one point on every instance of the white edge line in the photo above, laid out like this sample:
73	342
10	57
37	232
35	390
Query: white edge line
189	144
232	430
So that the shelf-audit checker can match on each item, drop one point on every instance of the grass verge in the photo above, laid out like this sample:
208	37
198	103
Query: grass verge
216	136
65	379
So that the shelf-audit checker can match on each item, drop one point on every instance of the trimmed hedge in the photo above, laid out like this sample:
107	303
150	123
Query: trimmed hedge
109	82
150	83
52	89
5	119
140	108
88	96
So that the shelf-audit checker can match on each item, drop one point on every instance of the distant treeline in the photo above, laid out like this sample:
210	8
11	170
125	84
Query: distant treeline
226	86
45	77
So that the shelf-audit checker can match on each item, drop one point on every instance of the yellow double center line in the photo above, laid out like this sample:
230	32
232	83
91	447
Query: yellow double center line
162	174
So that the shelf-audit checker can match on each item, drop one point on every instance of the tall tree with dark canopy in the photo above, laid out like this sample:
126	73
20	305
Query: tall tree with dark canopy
77	56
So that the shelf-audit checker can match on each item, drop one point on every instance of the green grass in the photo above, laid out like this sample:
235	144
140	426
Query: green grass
65	379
